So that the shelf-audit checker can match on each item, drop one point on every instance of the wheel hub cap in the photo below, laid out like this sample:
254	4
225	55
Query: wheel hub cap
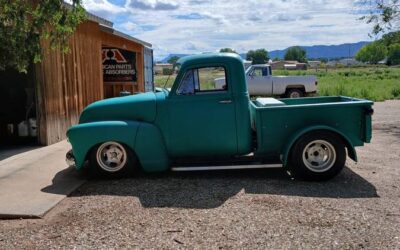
319	156
111	156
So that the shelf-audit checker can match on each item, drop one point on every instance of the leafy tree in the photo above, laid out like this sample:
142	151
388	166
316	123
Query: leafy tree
393	57
390	38
384	14
227	50
23	24
372	53
296	53
258	56
173	59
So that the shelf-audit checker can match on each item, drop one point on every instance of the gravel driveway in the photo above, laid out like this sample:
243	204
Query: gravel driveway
237	209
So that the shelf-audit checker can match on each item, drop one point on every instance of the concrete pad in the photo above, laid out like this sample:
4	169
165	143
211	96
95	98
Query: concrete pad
33	182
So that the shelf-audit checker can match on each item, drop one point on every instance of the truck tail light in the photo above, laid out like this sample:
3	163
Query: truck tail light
369	111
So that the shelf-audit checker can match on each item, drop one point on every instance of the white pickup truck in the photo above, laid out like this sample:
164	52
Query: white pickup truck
260	82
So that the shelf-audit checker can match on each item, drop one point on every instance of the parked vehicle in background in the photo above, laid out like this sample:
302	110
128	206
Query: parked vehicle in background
261	82
200	126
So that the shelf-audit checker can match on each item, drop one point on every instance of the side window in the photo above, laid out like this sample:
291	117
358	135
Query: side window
265	71
257	72
186	87
202	80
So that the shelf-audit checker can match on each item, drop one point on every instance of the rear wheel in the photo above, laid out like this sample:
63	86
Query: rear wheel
318	155
111	159
294	93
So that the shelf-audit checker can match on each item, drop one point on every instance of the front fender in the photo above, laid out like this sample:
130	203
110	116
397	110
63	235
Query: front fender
349	145
143	138
150	148
84	136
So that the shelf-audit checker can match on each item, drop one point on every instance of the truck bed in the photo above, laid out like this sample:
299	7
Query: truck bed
276	121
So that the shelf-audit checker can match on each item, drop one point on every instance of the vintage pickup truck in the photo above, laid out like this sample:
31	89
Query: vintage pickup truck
261	82
196	126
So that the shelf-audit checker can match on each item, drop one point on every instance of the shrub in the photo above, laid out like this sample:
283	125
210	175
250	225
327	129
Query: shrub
167	71
396	92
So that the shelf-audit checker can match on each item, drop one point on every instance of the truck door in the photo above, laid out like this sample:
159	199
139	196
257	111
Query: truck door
259	81
202	116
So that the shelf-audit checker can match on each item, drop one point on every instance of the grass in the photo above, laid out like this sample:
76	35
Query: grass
373	83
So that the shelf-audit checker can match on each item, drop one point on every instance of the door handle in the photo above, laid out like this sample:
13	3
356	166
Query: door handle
225	101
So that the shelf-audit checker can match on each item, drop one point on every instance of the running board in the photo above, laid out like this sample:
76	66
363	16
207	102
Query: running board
203	168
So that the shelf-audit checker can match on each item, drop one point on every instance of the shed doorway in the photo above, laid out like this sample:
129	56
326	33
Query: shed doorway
18	125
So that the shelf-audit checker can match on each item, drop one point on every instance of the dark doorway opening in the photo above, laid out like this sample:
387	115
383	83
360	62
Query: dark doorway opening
18	124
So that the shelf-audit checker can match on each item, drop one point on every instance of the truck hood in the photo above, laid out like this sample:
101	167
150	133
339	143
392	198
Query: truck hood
140	107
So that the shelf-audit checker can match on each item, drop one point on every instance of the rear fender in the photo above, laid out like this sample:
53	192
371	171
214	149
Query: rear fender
286	151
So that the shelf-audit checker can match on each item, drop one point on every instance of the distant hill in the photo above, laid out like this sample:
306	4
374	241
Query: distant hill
165	60
345	50
325	51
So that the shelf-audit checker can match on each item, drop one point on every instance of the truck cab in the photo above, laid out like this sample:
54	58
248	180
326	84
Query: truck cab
260	76
209	119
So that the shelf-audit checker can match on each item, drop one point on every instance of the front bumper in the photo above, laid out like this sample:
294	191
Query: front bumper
70	158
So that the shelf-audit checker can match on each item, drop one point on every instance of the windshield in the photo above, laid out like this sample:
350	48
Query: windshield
172	76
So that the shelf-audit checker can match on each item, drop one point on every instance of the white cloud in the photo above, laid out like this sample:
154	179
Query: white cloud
189	26
130	26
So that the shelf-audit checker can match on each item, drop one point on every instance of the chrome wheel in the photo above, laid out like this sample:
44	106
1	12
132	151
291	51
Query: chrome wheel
111	156
319	156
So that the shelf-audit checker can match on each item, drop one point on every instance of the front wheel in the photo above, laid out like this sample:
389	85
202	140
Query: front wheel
111	159
317	156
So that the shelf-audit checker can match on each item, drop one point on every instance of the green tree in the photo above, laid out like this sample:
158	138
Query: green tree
390	38
258	56
384	14
393	56
173	59
24	24
296	53
372	53
227	50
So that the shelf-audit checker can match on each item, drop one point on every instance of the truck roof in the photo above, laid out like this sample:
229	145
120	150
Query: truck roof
261	65
210	58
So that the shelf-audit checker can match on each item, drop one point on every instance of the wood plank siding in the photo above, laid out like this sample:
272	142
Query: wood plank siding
67	83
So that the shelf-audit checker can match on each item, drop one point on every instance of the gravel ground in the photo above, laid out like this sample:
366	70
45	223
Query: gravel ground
237	209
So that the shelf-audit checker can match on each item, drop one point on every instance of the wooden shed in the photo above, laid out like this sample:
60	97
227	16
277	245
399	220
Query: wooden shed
102	63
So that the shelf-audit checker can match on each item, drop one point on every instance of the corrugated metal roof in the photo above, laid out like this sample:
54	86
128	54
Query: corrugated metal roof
107	26
99	20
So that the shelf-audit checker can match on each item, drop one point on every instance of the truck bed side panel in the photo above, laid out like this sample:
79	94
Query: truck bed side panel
274	125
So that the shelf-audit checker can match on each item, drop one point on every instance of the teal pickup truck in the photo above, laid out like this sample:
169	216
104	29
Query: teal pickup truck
198	126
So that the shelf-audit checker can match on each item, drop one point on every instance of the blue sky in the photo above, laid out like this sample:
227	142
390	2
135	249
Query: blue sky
193	26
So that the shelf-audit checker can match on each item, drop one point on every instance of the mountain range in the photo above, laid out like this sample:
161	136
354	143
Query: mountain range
346	50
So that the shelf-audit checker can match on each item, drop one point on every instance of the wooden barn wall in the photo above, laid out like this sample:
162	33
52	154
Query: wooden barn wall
66	83
111	40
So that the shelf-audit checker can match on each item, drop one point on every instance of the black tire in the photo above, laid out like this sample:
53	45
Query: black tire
294	93
316	146
98	168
